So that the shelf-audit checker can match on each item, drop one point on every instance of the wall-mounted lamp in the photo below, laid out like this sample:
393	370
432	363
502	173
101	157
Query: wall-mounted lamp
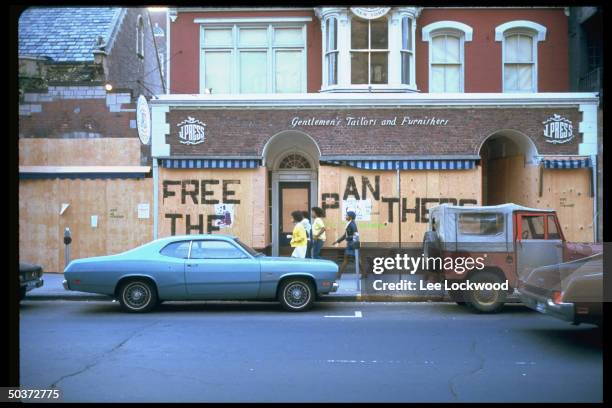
108	87
208	90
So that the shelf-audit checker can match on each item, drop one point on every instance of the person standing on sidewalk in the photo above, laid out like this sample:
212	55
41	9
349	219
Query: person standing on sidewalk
350	234
308	229
318	232
298	238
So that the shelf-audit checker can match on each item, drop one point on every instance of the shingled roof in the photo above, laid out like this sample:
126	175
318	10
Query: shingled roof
65	34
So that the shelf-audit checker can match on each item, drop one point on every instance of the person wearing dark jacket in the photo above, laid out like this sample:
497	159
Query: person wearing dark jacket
351	236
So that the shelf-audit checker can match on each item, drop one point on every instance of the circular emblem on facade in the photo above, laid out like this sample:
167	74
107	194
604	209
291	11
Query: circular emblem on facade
558	129
370	13
143	120
191	131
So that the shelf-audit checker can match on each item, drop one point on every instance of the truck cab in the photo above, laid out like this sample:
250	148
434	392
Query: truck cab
507	241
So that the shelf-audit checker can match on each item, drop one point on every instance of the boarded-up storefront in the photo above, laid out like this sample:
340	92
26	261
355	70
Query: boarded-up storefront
240	165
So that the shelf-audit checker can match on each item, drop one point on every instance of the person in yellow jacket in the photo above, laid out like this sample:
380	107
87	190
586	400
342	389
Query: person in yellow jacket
299	241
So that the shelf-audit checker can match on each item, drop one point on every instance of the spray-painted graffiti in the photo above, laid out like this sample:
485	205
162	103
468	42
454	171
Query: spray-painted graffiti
421	204
197	192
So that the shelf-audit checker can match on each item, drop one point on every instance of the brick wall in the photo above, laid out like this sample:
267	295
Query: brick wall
245	132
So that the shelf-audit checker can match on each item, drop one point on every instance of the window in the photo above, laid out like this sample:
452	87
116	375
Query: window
553	232
445	67
406	52
253	59
519	63
369	51
140	37
532	227
481	223
331	50
520	54
294	161
215	250
446	54
177	250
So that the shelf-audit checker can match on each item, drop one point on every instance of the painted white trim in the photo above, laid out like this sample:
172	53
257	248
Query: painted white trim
262	20
159	129
510	25
447	25
588	128
168	55
316	100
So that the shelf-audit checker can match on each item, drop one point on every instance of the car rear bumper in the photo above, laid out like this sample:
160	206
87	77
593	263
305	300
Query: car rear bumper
65	284
33	284
334	287
563	311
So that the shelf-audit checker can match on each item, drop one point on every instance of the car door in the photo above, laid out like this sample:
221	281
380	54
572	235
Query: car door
538	242
219	269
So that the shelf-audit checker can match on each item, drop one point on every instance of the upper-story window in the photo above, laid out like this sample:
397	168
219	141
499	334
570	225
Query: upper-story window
369	51
520	54
253	58
407	50
140	37
331	50
446	55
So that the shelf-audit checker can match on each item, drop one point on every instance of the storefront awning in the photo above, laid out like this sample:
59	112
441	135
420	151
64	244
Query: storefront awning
210	163
83	172
567	163
407	164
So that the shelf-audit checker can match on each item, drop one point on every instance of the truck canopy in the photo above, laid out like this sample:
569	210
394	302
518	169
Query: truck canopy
476	228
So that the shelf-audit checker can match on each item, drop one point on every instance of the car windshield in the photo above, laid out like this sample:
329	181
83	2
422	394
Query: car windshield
248	248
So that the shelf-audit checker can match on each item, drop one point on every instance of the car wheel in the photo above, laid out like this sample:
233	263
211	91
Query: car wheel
486	301
22	293
457	297
138	296
296	295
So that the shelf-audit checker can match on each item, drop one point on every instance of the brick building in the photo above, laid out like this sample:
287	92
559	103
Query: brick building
384	110
81	163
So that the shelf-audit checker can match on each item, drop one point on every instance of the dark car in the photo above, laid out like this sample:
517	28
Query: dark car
30	277
571	291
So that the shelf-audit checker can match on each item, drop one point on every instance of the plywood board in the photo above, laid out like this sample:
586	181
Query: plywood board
80	152
243	188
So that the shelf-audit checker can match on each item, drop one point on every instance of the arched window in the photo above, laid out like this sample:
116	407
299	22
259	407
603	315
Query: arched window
140	37
520	54
446	55
294	161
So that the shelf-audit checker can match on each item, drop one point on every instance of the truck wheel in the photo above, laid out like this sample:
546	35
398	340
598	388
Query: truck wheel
296	295
138	296
457	297
486	301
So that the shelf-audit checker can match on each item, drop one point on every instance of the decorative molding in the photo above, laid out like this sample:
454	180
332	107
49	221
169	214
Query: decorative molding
173	13
453	25
517	24
262	20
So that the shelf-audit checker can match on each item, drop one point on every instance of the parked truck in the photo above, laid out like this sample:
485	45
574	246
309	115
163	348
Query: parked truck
507	241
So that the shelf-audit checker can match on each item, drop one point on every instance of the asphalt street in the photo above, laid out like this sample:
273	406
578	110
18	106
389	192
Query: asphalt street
337	352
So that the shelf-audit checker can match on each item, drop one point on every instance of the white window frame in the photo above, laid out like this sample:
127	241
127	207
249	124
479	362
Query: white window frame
412	52
326	52
523	27
235	49
454	28
368	50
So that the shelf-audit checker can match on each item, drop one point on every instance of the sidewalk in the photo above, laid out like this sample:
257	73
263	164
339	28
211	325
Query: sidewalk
348	291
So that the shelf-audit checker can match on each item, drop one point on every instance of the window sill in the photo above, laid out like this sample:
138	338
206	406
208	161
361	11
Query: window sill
369	88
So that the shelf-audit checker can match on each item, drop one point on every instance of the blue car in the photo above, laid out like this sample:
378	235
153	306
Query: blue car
201	267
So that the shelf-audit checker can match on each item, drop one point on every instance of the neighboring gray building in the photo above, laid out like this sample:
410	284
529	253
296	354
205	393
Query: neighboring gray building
89	45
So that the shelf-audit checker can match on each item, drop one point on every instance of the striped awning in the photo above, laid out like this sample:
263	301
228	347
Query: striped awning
568	163
210	163
408	164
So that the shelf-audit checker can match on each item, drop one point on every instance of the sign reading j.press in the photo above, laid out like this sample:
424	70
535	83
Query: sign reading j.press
558	129
191	131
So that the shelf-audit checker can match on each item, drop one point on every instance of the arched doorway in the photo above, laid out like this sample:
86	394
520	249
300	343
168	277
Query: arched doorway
292	160
509	168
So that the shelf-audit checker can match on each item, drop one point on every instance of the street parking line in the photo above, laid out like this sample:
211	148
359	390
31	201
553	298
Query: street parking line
357	314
